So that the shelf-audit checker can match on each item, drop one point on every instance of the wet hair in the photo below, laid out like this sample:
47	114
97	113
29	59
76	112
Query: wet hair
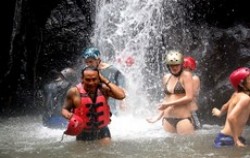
240	88
93	68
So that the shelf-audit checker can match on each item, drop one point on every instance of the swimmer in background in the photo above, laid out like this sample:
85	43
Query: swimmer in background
54	93
190	65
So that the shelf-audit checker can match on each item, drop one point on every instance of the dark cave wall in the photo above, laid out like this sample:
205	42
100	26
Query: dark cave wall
217	13
40	36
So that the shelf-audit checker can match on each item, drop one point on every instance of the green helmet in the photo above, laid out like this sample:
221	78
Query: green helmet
174	58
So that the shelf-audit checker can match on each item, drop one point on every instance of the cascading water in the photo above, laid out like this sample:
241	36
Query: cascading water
124	29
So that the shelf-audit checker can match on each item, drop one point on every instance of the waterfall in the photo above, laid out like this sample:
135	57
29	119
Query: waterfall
126	28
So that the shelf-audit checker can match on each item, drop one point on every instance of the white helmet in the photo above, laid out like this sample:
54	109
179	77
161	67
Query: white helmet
174	58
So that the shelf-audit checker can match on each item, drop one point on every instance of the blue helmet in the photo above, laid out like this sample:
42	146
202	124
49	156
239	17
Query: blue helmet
91	52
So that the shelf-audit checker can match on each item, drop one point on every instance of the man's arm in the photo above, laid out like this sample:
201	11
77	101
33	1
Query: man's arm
155	118
112	89
68	103
218	113
196	85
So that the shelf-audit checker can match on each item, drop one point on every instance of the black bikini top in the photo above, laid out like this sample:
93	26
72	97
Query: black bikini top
178	89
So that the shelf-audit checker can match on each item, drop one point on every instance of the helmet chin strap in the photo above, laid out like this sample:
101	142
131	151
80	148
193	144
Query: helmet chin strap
176	75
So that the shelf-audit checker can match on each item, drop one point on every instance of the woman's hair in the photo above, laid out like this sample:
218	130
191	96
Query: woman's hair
240	88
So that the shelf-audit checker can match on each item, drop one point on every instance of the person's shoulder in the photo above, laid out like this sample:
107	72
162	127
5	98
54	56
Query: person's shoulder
240	97
196	78
186	73
166	76
104	65
244	96
73	90
113	69
111	66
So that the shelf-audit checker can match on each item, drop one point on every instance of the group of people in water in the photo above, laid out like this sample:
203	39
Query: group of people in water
88	105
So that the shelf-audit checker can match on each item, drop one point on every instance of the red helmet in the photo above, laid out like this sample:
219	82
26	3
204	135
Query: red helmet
75	126
130	61
189	63
238	75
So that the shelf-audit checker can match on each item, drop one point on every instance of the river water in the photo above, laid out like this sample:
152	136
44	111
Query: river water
26	137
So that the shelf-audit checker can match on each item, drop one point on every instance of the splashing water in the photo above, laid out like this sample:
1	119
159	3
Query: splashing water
124	29
132	137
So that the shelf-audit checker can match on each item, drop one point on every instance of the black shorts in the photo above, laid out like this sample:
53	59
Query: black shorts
88	135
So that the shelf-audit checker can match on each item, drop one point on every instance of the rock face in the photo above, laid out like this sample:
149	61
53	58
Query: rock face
41	35
45	35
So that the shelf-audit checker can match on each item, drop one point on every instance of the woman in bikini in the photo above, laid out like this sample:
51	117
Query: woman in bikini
178	88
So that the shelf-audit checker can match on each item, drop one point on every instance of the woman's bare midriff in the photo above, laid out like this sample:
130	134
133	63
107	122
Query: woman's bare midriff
177	111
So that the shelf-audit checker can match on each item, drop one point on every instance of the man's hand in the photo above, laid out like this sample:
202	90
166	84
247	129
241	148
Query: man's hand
150	120
216	112
162	106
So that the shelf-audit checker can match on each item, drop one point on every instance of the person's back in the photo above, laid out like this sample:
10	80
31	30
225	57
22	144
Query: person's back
116	77
237	109
237	101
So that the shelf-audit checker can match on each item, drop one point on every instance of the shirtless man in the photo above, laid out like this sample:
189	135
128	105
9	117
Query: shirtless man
237	109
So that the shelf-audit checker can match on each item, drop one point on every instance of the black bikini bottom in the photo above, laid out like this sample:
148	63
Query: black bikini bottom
175	121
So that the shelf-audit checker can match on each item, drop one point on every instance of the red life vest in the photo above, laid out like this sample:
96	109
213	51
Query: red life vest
95	115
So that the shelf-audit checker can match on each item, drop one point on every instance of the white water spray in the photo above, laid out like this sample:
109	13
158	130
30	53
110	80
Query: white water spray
123	29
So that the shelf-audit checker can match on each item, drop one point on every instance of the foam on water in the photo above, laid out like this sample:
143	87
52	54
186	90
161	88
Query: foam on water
131	128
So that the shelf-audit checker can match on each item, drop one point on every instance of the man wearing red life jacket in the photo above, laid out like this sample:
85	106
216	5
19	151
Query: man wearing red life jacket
87	109
91	56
